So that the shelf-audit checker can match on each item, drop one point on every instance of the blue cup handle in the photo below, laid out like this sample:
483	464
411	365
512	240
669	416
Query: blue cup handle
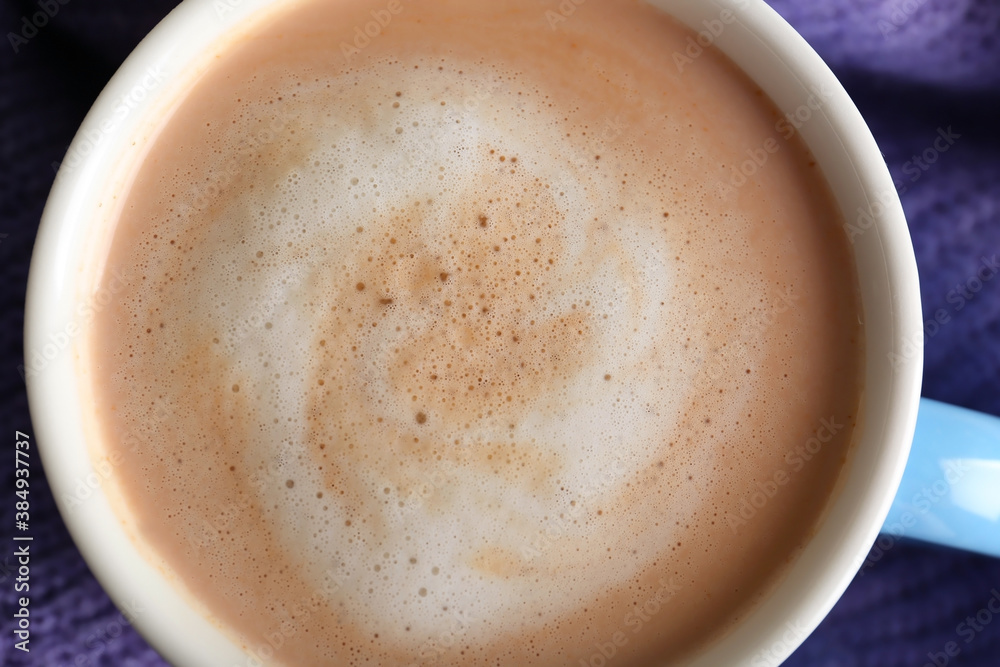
950	493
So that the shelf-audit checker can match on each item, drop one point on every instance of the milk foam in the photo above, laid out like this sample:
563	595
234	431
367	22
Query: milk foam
454	345
440	298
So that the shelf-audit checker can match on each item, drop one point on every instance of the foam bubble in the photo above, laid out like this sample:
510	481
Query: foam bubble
439	295
476	357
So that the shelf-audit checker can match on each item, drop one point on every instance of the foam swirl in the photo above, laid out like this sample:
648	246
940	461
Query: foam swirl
470	337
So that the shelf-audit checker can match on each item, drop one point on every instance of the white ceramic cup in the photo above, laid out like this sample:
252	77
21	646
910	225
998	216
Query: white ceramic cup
63	295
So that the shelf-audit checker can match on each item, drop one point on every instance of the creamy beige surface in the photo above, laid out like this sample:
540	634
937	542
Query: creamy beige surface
456	345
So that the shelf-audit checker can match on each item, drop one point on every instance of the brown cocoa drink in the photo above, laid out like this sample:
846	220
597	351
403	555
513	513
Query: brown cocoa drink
460	333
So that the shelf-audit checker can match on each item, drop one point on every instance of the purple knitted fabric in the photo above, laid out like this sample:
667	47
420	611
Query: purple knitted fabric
950	45
914	67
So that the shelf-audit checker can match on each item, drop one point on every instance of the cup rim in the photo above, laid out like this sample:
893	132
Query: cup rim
57	273
827	566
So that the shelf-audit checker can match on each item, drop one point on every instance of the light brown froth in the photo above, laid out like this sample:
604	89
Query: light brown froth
472	351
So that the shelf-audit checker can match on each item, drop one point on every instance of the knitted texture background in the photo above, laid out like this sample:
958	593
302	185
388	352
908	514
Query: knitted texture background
914	67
